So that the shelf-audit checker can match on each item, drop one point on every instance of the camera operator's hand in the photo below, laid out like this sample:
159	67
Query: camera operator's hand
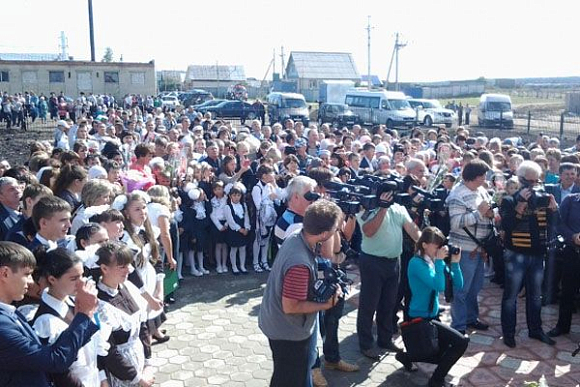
387	196
576	239
442	252
334	299
455	258
484	209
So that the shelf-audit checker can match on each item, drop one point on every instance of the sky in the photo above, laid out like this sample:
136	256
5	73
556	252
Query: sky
446	40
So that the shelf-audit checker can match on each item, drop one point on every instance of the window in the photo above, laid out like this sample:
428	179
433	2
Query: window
56	76
137	78
111	77
4	77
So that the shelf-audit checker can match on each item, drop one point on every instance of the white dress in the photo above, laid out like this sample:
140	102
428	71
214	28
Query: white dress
49	328
115	319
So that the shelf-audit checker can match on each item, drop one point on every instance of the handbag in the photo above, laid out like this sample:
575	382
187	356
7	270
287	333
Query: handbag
421	336
492	244
170	282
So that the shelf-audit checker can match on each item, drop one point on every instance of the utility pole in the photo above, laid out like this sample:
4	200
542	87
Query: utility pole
395	55
369	28
217	76
273	63
63	46
91	30
283	71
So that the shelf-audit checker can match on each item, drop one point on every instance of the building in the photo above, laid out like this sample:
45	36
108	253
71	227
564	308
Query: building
71	77
308	69
170	80
215	79
446	89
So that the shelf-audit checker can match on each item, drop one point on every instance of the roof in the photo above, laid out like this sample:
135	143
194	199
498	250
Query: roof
321	65
214	73
29	57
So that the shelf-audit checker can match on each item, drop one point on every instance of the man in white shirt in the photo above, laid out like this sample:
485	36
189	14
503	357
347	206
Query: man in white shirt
61	135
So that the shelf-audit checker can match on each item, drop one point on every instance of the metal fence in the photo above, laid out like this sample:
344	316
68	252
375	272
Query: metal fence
564	126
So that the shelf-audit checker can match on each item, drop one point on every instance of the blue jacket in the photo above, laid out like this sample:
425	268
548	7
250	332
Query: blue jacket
423	279
6	222
24	361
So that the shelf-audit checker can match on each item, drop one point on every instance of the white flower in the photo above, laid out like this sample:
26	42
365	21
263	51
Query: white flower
119	203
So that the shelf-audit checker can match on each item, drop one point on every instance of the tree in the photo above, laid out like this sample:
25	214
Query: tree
108	57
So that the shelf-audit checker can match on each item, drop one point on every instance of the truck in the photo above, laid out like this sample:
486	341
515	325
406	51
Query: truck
334	91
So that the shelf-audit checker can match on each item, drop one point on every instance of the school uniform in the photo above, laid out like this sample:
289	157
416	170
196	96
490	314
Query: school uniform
237	218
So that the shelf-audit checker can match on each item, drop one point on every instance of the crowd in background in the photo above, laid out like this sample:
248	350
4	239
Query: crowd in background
127	193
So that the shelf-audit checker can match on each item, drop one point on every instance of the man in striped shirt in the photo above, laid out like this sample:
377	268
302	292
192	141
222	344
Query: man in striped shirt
288	312
469	208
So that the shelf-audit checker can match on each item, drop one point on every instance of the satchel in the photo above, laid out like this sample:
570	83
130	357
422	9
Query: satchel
170	282
421	336
492	244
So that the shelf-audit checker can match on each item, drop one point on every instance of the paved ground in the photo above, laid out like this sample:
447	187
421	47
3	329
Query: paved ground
216	341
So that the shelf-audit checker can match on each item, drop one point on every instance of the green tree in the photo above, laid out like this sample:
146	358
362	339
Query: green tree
108	57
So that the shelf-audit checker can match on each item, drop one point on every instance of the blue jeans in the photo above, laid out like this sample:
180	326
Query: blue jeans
529	271
313	358
329	331
464	308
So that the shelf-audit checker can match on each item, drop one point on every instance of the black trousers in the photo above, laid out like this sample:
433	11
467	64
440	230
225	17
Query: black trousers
379	279
404	293
290	362
570	284
452	346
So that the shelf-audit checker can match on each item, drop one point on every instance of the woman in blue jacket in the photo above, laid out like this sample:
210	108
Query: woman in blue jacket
426	275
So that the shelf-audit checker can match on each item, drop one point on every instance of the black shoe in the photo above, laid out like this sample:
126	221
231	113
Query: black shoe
558	332
462	331
478	325
161	340
510	341
390	347
544	338
371	353
436	383
404	360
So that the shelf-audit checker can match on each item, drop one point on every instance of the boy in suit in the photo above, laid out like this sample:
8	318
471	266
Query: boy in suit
51	217
24	361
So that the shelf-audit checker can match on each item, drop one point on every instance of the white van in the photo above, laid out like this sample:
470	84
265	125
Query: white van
495	110
390	108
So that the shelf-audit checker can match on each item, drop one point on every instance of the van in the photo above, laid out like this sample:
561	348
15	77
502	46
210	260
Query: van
283	106
495	110
390	108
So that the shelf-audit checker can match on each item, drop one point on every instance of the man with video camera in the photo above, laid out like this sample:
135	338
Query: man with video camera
526	219
289	310
382	245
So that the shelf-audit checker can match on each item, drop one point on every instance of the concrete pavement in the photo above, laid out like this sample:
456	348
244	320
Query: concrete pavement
215	341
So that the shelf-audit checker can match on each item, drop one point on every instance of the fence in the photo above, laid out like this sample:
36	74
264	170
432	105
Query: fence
564	126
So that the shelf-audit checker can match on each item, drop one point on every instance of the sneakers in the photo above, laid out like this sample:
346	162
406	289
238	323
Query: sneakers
318	379
196	273
265	266
257	268
204	271
341	366
219	270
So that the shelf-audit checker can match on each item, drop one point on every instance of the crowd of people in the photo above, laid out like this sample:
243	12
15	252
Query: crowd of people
123	197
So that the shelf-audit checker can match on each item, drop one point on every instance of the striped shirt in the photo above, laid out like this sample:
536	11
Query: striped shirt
283	229
463	203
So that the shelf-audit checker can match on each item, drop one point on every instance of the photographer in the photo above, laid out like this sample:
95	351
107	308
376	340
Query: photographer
382	245
288	313
526	221
469	209
427	278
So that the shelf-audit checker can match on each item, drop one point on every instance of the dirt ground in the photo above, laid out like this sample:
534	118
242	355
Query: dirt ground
15	143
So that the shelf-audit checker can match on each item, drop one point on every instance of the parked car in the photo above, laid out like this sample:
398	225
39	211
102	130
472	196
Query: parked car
381	107
202	106
430	111
194	97
233	109
170	102
337	114
283	106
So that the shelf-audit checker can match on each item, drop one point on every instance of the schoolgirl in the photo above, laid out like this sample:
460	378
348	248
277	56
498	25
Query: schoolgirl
219	226
238	220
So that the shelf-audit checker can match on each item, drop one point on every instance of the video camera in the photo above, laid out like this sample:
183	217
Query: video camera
432	201
325	288
365	192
